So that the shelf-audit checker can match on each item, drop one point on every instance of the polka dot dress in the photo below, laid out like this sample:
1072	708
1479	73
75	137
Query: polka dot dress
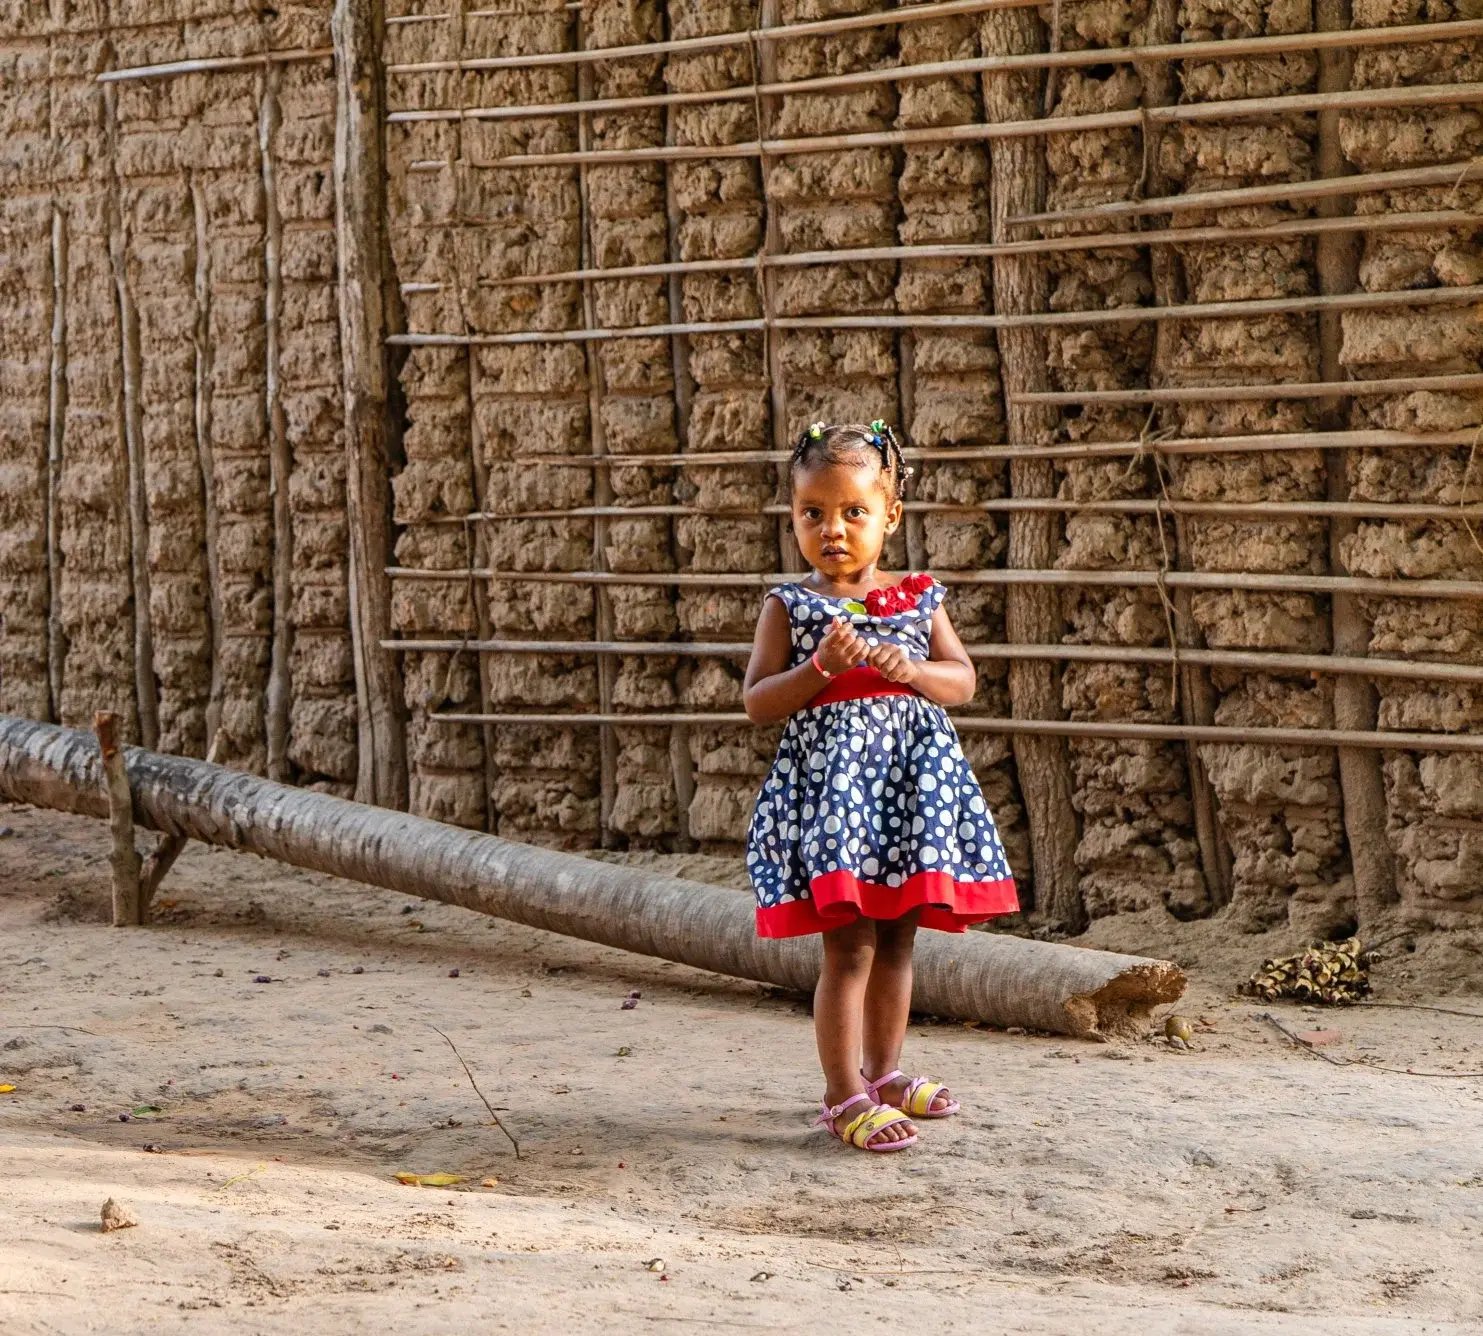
870	807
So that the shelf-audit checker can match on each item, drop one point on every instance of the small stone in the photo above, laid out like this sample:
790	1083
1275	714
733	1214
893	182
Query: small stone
381	1029
324	974
116	1217
654	1264
217	973
628	1004
1202	1159
79	1108
6	832
357	969
123	1117
453	974
262	978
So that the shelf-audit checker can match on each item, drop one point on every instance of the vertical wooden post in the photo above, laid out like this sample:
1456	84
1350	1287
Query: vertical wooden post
1196	695
681	762
1032	613
364	268
280	455
128	908
204	456
146	697
56	639
1361	779
607	664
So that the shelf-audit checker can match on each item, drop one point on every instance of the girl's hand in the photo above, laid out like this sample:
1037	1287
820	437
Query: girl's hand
891	662
841	649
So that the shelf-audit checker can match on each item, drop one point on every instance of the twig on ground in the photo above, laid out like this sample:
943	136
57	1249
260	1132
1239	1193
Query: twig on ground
74	1029
1423	1006
493	1115
1355	1062
257	1168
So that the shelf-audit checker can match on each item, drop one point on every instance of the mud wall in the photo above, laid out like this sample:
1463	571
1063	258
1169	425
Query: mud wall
173	540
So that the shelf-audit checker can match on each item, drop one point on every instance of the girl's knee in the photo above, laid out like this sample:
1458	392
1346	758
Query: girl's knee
895	938
850	949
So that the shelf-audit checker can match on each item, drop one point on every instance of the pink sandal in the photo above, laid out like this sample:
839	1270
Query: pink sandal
862	1130
916	1099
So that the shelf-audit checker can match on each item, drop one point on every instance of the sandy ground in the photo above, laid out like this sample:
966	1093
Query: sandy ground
667	1180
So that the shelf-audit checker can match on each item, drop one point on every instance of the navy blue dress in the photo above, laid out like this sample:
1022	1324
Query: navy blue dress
870	807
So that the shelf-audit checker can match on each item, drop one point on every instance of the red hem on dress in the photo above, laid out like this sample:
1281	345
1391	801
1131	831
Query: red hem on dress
838	898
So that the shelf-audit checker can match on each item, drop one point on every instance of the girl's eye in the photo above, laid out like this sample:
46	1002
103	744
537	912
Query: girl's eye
857	512
811	513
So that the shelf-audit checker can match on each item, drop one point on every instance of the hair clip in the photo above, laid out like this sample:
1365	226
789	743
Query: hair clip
816	431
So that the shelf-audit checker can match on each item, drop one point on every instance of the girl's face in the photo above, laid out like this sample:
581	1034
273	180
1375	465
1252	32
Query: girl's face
842	516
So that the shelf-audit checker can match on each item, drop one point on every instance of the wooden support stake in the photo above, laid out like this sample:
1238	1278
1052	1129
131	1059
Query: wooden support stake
1356	701
607	668
360	228
1196	694
170	847
681	761
280	454
128	906
1017	185
56	636
204	354
146	701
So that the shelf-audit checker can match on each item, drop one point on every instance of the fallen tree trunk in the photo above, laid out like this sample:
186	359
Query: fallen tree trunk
980	976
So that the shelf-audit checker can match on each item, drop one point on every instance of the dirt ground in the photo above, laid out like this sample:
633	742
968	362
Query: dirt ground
667	1178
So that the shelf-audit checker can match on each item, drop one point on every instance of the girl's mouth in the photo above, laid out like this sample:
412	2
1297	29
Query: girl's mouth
833	552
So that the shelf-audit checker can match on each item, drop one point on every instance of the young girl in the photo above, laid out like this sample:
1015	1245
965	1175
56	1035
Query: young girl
871	823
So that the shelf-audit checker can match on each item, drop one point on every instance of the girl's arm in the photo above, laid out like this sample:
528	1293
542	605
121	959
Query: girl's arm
947	676
772	691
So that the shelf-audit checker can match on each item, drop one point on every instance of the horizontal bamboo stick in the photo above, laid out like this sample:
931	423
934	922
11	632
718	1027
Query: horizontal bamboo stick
213	64
1367	439
1320	389
1246	660
1235	109
1228	49
1174	236
1329	187
1254	581
1119	315
787	32
1061	728
1260	509
575	335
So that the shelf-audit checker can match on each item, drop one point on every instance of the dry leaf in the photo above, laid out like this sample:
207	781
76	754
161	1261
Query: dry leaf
6	1089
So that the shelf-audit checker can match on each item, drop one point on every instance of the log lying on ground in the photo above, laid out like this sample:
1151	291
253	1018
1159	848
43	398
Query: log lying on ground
979	976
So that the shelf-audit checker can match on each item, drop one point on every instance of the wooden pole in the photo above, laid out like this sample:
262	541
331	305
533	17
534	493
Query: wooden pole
1184	445
1011	64
1117	315
1423	670
206	460
56	636
1271	583
1017	185
128	907
991	977
1356	702
1443	174
360	228
146	697
1236	109
1227	735
1418	221
280	454
764	33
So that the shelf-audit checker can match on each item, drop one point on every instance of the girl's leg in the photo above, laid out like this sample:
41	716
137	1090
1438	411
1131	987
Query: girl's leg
888	1003
839	1002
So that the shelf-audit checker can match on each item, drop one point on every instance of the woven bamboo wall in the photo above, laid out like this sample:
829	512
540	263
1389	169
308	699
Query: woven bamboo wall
1168	549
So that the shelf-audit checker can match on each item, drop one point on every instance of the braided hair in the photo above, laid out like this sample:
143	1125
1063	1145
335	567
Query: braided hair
853	443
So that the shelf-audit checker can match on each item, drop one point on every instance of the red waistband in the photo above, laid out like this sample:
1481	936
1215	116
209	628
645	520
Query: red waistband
858	683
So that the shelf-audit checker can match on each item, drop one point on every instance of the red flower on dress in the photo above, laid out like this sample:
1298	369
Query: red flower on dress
898	598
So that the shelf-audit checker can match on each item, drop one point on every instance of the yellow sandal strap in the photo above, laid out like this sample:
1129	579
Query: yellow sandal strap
860	1131
919	1096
